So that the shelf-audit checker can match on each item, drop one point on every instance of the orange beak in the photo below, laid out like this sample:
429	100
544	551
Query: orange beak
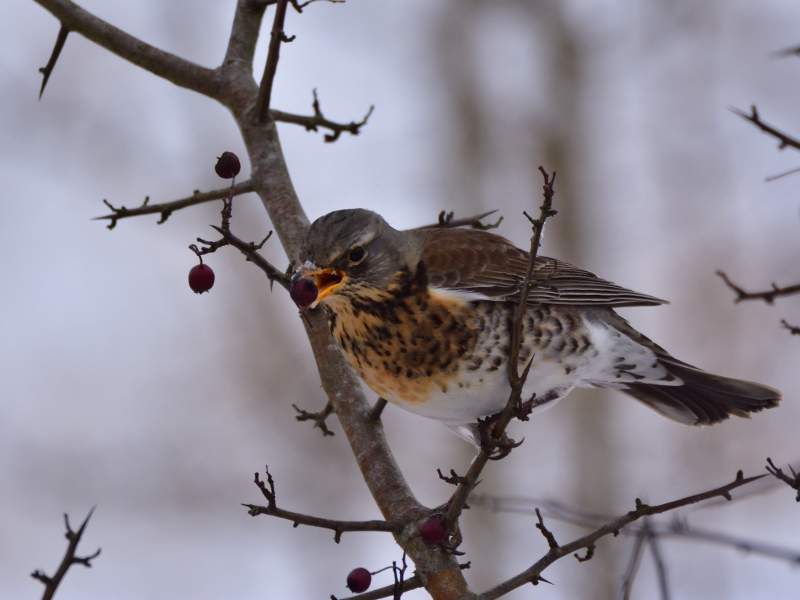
326	280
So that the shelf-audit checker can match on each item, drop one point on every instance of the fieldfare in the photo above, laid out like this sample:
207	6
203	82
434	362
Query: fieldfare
424	317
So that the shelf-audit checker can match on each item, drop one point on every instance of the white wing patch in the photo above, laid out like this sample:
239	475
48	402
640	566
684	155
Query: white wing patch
459	297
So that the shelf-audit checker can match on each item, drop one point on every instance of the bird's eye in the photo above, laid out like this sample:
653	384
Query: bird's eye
356	254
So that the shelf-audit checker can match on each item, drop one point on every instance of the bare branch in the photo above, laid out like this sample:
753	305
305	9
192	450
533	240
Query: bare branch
793	481
318	417
446	221
495	426
633	564
784	139
338	527
74	537
675	528
47	70
412	583
767	296
277	36
793	329
661	565
377	409
177	70
244	33
613	527
313	122
167	208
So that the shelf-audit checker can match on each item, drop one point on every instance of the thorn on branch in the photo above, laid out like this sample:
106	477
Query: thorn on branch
793	481
377	410
318	417
47	70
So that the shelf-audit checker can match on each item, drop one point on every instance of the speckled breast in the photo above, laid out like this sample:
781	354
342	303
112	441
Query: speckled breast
443	356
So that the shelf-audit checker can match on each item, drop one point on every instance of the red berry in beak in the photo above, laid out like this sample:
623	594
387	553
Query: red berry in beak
358	580
201	278
227	165
303	291
432	531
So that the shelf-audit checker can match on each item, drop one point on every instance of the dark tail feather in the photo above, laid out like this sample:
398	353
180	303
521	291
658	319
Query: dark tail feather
704	398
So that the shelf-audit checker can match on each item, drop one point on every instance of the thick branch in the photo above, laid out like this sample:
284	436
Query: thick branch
244	33
74	537
767	296
167	208
784	139
338	527
642	510
177	70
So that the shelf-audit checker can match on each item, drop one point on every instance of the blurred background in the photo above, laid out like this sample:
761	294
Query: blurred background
123	389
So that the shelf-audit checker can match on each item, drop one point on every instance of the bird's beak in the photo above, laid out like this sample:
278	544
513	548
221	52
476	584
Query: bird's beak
326	280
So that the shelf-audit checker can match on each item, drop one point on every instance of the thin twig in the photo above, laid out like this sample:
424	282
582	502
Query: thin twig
313	122
47	70
793	329
318	417
642	510
338	527
74	537
177	70
658	560
514	407
675	528
377	409
276	37
767	296
633	564
167	208
784	139
446	221
793	481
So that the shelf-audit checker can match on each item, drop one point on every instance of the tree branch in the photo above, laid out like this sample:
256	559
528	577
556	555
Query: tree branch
515	407
613	527
793	481
793	329
167	208
446	221
784	139
276	37
311	123
412	583
176	70
244	33
47	70
767	296
319	418
338	527
74	537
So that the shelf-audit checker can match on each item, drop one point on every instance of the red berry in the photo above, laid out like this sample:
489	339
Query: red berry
358	580
201	278
433	531
228	165
303	291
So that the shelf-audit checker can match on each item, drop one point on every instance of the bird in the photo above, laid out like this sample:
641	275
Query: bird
424	316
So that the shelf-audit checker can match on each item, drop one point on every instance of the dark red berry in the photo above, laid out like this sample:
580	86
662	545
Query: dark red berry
358	580
227	165
201	278
303	291
433	531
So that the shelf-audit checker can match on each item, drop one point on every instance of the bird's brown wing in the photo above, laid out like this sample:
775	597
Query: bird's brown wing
483	263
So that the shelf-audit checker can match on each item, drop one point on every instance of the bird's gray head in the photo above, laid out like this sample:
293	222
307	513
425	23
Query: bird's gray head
346	248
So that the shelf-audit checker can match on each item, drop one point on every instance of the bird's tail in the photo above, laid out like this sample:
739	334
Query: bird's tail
704	398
